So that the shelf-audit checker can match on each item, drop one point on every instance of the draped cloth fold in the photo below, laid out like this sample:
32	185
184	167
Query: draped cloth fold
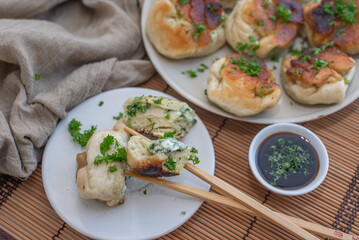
54	54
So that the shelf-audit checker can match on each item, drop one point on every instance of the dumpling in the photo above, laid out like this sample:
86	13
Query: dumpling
162	157
242	85
263	27
335	21
158	115
182	29
100	169
320	76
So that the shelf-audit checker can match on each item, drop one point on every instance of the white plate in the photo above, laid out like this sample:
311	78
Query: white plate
193	88
141	216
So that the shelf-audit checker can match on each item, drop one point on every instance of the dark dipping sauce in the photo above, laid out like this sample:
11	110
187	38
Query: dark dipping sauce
287	160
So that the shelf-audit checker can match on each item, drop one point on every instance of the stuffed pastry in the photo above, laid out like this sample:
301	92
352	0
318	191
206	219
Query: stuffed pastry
182	29
242	85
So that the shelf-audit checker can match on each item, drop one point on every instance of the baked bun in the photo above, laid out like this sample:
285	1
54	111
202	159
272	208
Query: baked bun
162	157
183	29
318	78
266	25
324	23
242	85
100	169
158	115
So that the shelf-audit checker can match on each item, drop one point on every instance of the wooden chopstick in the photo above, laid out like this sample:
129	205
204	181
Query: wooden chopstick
243	198
228	202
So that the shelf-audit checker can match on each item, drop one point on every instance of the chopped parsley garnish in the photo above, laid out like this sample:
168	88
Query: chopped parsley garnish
272	17
112	168
82	138
198	29
204	66
316	50
265	4
223	18
145	191
250	47
205	92
106	144
100	103
158	101
183	213
120	154
251	67
287	158
149	119
346	11
183	2
319	64
168	116
119	116
291	103
296	72
274	67
169	134
295	52
328	8
194	159
275	59
170	163
37	77
340	32
284	13
191	73
137	105
346	81
306	59
194	150
259	23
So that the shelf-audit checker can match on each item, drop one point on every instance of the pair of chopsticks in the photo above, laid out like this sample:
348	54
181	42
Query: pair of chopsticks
242	202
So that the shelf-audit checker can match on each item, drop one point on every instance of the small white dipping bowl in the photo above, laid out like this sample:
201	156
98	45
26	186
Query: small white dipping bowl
299	130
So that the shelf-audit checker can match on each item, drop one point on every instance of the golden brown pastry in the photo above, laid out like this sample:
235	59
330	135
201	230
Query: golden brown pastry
320	76
182	29
242	85
266	25
335	21
100	169
158	115
162	157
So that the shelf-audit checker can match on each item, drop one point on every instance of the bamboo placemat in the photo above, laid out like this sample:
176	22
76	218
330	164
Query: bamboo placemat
25	212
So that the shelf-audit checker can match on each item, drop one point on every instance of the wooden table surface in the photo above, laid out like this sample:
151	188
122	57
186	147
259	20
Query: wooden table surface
25	212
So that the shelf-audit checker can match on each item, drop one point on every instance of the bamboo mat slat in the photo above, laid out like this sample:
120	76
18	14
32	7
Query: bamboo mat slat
25	212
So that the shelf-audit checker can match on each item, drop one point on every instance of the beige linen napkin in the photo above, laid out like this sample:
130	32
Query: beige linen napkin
77	49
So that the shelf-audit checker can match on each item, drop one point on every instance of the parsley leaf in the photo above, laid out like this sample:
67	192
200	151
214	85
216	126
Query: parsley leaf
284	13
82	138
37	77
183	2
100	103
251	67
158	101
194	159
120	115
112	168
170	163
106	144
198	29
319	64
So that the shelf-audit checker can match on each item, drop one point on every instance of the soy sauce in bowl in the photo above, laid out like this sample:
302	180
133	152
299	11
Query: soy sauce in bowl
287	160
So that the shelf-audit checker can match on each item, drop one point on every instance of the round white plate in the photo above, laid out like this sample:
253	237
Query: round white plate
141	216
193	88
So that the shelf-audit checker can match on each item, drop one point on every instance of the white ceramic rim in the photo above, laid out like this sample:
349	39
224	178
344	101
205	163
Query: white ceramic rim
298	129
